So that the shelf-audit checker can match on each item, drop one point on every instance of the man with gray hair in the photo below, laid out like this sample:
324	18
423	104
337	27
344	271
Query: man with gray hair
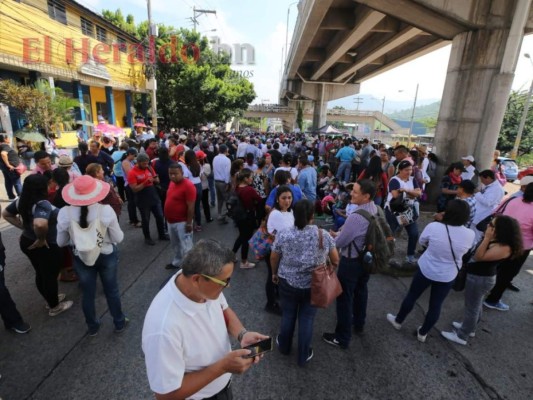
187	329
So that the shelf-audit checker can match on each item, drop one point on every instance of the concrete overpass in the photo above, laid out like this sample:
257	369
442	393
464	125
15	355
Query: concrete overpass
337	44
288	116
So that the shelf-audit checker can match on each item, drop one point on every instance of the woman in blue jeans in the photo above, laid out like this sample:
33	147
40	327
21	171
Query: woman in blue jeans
446	243
295	254
83	196
502	241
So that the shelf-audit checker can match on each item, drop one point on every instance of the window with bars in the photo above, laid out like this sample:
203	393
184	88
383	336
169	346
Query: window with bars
122	44
101	34
87	27
56	11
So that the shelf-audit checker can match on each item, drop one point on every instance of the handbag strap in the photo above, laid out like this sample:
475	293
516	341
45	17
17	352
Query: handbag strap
502	207
451	247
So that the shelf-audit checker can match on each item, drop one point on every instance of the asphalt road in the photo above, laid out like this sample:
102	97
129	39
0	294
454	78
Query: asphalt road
56	360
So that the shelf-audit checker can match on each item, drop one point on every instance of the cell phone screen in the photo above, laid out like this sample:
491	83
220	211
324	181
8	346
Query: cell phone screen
258	348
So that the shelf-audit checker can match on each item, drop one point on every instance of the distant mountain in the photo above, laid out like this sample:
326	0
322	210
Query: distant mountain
424	111
371	103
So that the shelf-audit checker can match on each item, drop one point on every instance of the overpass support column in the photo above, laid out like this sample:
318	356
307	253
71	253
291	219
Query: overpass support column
480	74
320	107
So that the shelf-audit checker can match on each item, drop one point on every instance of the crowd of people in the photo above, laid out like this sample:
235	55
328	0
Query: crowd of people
274	184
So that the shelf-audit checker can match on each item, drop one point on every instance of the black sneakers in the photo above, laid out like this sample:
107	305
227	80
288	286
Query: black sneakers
21	327
330	338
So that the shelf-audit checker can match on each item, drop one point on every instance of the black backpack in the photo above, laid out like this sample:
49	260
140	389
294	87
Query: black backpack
235	208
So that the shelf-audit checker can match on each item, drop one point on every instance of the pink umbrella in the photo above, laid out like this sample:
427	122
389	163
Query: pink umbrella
109	129
139	125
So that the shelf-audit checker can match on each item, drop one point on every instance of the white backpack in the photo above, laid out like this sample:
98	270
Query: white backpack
88	241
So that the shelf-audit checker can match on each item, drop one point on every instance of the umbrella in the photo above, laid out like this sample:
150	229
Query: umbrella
328	129
204	129
108	128
30	136
139	125
84	123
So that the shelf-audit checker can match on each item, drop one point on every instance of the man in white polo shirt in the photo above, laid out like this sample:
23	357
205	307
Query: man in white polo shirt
186	333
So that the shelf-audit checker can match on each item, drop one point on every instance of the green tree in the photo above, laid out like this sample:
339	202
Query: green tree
428	122
200	88
117	18
197	86
44	107
511	121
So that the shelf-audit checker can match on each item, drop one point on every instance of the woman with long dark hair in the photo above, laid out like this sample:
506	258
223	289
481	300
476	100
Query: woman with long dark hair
246	223
160	166
280	218
522	210
128	162
206	172
374	172
502	241
295	254
37	219
192	172
84	195
446	243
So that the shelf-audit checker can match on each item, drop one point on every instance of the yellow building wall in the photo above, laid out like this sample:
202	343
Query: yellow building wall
120	107
97	96
49	45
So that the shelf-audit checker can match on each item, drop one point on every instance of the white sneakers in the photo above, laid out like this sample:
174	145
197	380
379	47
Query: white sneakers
63	306
421	338
459	325
452	337
247	265
392	319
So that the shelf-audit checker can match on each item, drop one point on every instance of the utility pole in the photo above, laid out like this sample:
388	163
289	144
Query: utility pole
357	100
152	33
412	118
197	13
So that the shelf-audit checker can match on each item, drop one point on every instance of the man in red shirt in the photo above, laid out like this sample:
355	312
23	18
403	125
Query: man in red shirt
141	179
179	213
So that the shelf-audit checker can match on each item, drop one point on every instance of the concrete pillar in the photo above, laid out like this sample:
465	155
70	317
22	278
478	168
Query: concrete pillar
110	101
129	107
144	106
320	107
474	99
77	93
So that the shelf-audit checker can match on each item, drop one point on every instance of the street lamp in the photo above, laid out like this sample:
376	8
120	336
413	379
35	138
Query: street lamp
514	152
287	29
412	117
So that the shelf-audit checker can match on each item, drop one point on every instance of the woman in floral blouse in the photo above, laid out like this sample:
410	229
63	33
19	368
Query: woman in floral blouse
295	254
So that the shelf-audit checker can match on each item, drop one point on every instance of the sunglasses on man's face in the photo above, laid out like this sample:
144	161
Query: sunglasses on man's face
222	283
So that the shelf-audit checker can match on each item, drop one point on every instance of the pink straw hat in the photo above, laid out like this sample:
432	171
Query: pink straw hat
85	191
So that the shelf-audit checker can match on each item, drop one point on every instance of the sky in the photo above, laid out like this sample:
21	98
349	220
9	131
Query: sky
263	25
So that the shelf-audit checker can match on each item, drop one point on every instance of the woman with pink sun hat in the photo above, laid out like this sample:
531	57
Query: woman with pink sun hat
75	225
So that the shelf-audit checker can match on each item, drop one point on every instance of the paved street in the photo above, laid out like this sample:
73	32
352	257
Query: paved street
57	361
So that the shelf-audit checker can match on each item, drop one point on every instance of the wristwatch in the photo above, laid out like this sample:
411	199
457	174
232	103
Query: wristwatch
241	334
